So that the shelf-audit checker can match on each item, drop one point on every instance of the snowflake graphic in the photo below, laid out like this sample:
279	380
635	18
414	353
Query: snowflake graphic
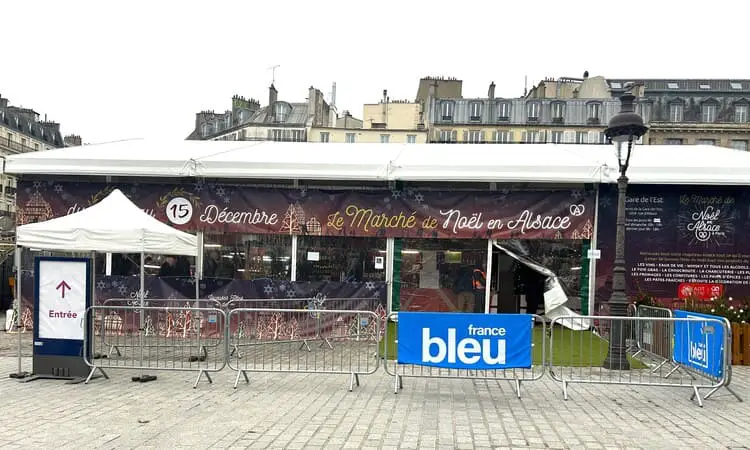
268	289
386	200
282	287
37	184
369	285
303	192
389	206
59	188
220	191
332	197
101	284
396	194
605	202
122	290
190	281
50	182
576	194
198	187
290	293
419	198
426	207
505	191
227	200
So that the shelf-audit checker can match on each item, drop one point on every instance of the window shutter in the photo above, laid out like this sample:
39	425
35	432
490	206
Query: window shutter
593	137
481	137
466	136
569	137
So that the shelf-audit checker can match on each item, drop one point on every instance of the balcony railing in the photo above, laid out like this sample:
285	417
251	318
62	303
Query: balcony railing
14	147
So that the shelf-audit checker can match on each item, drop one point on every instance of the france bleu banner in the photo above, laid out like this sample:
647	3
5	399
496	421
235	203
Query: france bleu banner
699	345
465	341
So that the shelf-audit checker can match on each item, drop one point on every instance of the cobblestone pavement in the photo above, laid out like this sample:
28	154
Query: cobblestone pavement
317	411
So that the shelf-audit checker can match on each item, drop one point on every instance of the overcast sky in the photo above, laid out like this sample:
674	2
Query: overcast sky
113	70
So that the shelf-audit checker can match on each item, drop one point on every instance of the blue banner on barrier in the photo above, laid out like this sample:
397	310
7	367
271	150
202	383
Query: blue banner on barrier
465	341
699	345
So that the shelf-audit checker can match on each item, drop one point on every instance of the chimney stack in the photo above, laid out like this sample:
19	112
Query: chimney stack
491	92
272	95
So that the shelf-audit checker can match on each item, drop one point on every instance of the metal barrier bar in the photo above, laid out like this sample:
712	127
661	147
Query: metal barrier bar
273	340
313	305
515	376
654	339
160	344
580	356
176	324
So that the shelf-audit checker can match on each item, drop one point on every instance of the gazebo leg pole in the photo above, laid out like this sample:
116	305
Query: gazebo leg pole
19	273
142	294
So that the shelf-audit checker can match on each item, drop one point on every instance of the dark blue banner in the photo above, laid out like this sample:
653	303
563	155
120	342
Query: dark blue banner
700	345
465	341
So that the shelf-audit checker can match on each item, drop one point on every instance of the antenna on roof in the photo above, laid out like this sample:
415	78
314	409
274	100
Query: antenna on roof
273	73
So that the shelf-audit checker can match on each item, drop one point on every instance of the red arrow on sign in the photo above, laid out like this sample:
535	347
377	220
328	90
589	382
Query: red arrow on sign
62	286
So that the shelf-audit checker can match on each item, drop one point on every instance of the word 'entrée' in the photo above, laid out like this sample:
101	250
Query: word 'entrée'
63	314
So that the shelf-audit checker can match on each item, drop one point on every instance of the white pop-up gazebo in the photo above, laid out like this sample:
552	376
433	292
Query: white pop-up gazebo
114	225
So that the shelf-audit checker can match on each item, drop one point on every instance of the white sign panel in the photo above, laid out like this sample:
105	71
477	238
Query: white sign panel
62	299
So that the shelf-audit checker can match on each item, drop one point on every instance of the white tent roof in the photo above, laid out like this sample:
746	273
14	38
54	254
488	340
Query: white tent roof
555	163
113	225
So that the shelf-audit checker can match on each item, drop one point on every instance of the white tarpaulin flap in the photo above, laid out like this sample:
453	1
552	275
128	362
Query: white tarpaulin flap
555	297
113	225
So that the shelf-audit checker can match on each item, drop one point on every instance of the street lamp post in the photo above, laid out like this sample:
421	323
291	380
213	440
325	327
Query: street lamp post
624	129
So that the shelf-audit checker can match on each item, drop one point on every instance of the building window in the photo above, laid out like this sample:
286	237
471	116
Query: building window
411	138
582	137
556	137
531	137
448	136
280	112
740	113
475	111
673	141
325	136
503	111
446	110
385	138
36	147
474	137
594	112
708	112
558	110
340	259
351	138
675	112
739	144
532	111
247	256
503	137
705	142
287	135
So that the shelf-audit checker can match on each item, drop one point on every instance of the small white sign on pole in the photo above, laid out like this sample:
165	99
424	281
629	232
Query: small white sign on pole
594	253
62	299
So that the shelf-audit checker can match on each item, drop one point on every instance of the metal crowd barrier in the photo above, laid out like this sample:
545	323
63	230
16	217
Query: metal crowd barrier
581	357
516	376
157	338
277	340
653	340
182	323
313	305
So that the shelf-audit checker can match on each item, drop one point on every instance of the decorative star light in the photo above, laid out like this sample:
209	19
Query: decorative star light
268	289
303	192
227	199
369	285
122	290
426	207
290	293
576	194
37	184
282	287
59	188
220	191
198	187
419	197
396	194
101	284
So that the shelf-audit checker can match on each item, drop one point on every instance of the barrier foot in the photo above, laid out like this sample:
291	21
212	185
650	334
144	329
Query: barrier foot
659	366
143	378
326	342
354	379
93	371
237	379
19	375
669	374
235	349
697	395
565	390
398	383
200	374
731	391
204	352
305	345
115	349
517	384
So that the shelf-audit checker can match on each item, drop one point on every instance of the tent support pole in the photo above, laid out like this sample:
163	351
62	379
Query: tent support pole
198	266
19	272
142	294
488	277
